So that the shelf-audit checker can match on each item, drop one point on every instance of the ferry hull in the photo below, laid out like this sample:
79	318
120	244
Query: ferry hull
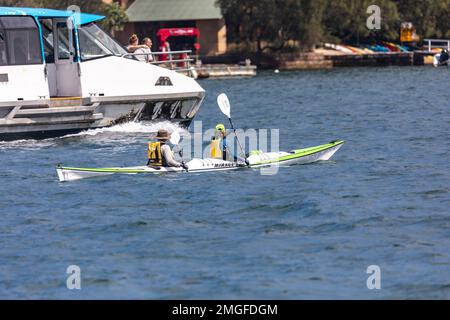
47	90
43	119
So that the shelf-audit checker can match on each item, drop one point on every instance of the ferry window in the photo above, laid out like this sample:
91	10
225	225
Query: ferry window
19	43
91	48
24	47
95	43
18	22
63	41
47	35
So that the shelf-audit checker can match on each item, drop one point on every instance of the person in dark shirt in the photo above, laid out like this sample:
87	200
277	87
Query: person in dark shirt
444	58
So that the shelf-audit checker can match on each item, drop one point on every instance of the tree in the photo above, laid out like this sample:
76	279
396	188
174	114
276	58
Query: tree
267	23
311	23
431	17
270	24
115	17
91	6
345	20
16	3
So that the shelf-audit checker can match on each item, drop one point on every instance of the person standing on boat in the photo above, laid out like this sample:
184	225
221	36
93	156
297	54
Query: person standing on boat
133	44
219	146
147	56
160	154
444	58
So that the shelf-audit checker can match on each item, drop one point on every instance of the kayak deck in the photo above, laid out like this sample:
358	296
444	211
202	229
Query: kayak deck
304	156
256	159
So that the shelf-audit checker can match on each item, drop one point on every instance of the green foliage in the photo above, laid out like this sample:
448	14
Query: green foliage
115	17
311	23
92	6
270	24
16	3
262	25
346	20
431	17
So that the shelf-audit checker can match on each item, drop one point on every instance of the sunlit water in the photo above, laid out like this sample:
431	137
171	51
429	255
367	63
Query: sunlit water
308	232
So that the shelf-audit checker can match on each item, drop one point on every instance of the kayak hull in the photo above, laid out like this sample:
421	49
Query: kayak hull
195	165
258	159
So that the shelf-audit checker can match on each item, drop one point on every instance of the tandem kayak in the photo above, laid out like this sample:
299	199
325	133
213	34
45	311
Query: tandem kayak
255	160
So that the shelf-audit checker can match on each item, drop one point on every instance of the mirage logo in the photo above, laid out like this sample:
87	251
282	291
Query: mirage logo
223	165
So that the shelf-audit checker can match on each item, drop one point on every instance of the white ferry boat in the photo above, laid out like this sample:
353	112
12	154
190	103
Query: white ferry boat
60	74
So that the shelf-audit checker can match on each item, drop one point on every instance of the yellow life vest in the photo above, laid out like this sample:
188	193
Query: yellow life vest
154	154
216	150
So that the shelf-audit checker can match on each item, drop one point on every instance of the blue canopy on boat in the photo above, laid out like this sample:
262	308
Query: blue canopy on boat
82	18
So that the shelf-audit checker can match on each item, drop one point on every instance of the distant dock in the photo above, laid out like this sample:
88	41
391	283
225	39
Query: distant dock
225	71
373	59
327	57
310	61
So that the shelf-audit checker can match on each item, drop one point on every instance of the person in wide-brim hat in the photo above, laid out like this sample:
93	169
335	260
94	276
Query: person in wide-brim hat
160	153
163	135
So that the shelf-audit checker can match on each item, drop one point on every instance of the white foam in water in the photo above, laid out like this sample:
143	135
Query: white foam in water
25	144
129	127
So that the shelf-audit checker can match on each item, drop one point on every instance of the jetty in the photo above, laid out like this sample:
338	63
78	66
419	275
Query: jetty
225	71
329	57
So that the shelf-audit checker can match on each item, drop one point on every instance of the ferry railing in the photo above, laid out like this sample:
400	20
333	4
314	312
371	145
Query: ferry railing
178	61
437	43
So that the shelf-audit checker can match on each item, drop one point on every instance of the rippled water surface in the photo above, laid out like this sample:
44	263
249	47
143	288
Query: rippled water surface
308	232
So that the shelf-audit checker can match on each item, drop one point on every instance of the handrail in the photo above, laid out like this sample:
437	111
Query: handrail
436	41
174	60
156	53
171	63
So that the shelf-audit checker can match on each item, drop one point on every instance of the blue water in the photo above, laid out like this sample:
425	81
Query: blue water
308	232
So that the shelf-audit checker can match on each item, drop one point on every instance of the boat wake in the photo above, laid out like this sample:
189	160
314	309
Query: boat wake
26	144
128	130
131	127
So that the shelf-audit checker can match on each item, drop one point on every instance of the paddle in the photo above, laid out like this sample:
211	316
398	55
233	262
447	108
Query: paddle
224	105
175	138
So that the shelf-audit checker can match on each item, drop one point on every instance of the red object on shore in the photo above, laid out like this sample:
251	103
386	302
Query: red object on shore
164	34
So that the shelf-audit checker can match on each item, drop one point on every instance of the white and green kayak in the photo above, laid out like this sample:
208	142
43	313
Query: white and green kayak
256	159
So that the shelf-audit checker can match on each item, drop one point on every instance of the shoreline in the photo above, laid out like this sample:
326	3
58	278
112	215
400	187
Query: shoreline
325	59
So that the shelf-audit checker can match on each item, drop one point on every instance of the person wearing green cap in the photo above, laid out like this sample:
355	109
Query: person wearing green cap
219	146
220	127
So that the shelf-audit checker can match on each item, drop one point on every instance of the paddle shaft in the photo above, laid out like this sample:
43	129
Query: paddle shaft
234	130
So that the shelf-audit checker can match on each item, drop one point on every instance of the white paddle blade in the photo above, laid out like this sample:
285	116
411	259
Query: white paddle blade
224	104
436	60
175	138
